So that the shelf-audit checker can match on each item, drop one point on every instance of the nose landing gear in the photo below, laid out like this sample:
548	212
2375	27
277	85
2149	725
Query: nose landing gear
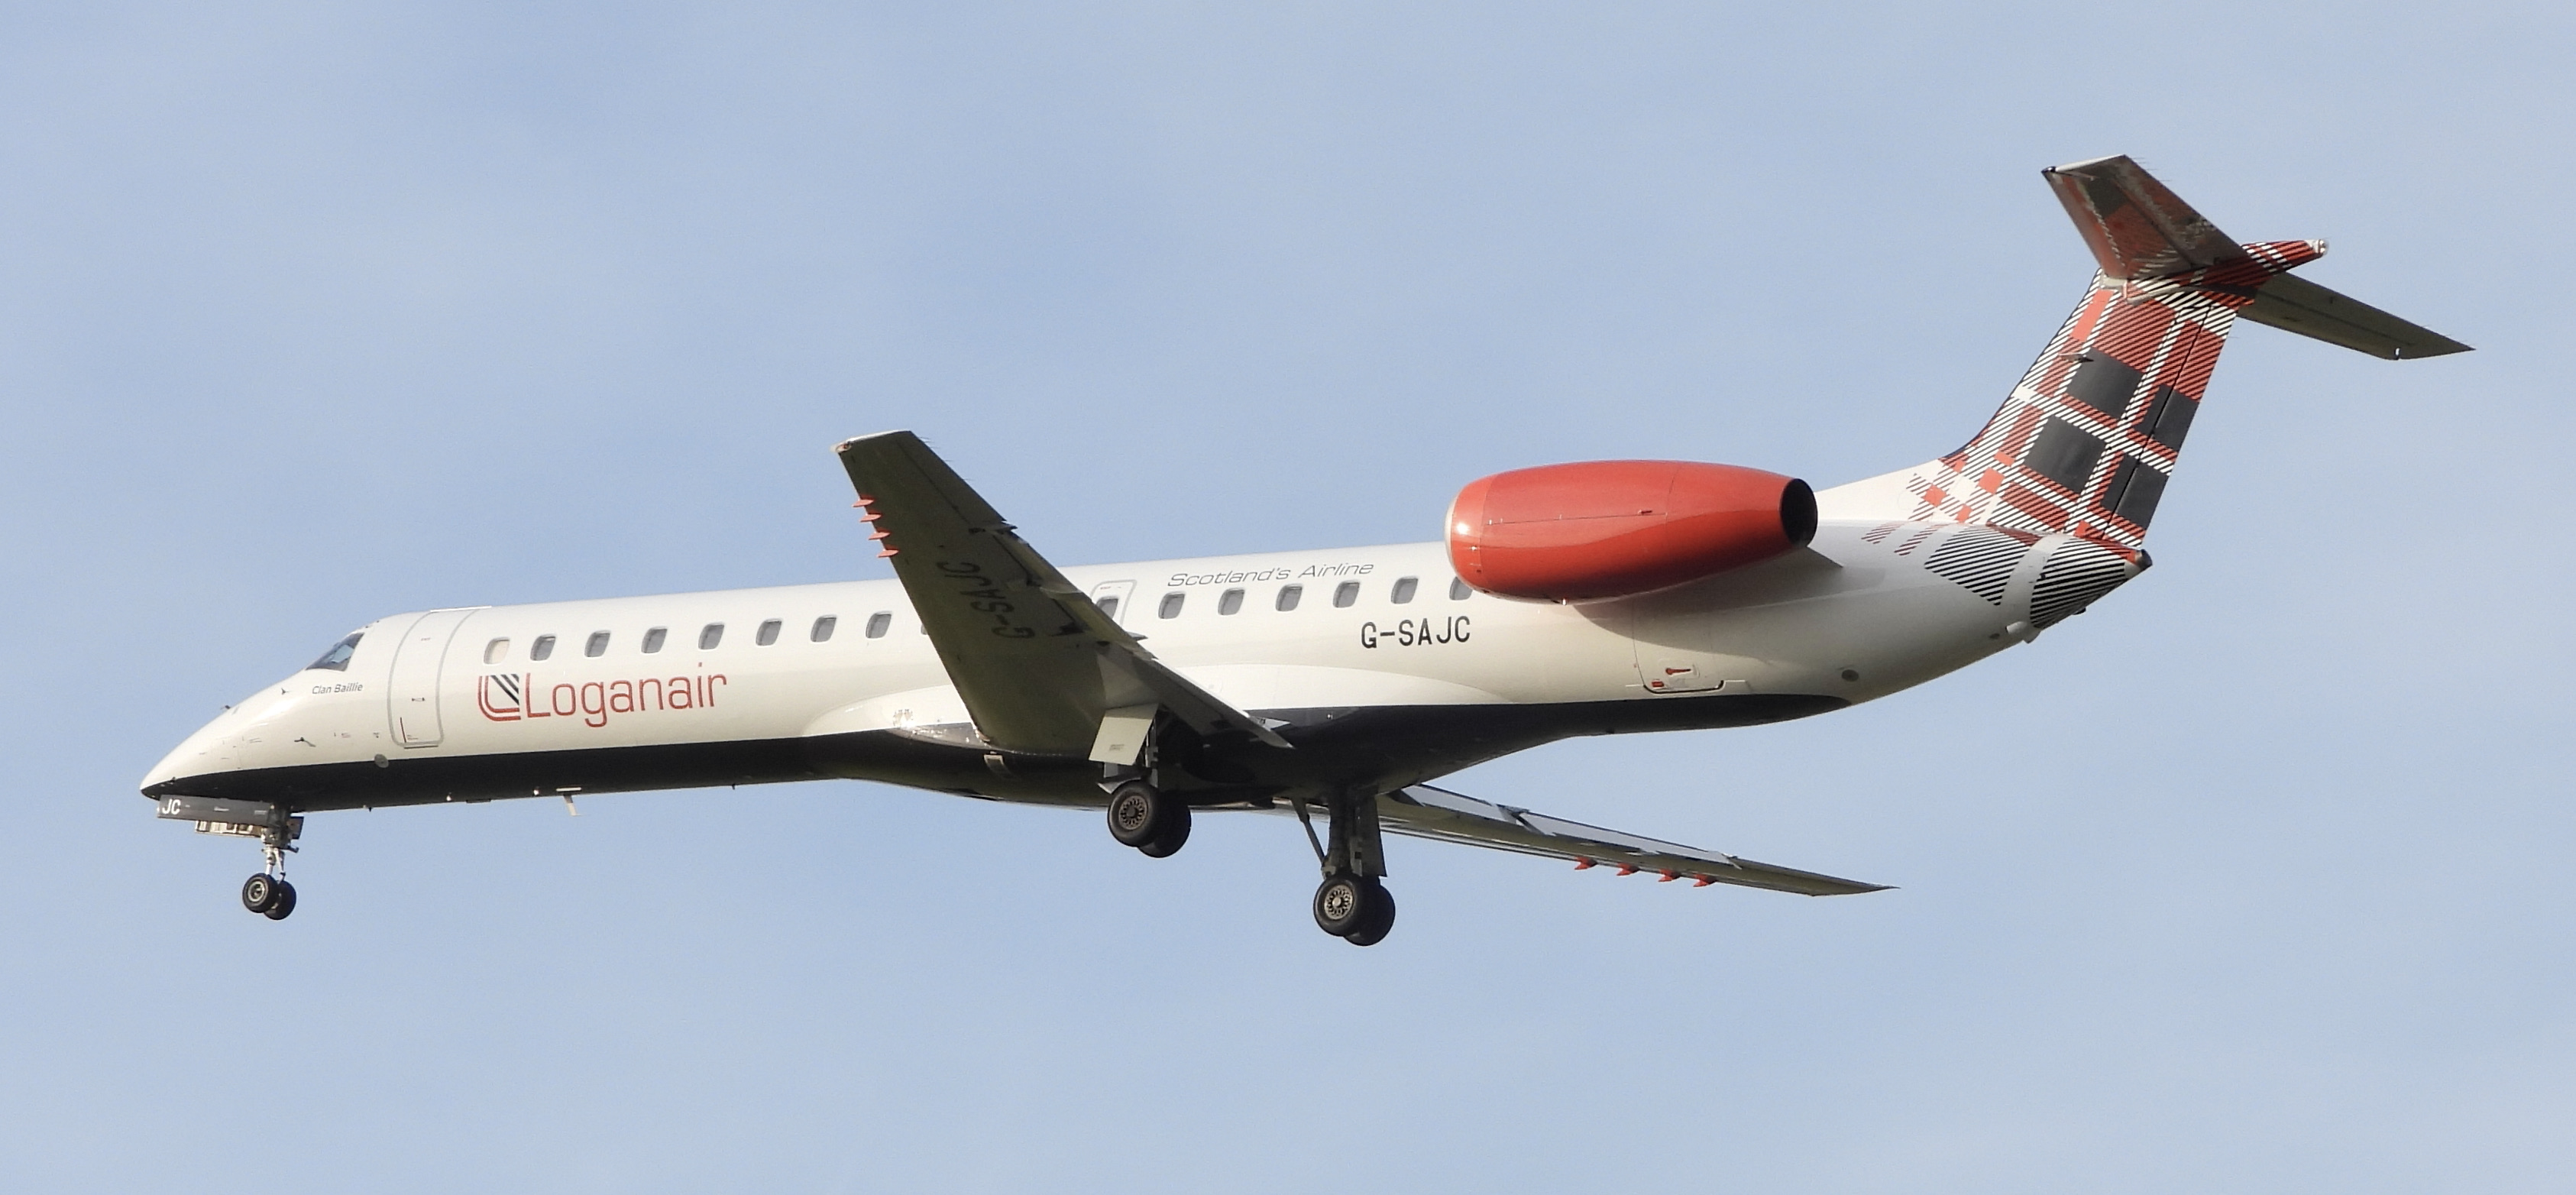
267	894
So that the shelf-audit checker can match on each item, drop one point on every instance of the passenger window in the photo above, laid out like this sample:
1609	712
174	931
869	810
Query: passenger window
823	627
1171	607
598	644
337	659
1404	587
768	633
653	639
1288	595
1231	602
710	635
496	651
1109	608
542	648
1458	590
1346	593
878	622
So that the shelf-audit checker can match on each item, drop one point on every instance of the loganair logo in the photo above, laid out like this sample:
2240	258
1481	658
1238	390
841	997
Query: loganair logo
516	696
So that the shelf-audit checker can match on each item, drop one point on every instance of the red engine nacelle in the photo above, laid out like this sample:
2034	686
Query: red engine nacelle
1607	528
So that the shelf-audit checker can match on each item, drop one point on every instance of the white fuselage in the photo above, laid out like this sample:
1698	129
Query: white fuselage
453	705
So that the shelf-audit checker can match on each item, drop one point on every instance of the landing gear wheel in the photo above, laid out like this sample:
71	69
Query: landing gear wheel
1343	904
1379	920
284	902
1175	830
259	893
1140	813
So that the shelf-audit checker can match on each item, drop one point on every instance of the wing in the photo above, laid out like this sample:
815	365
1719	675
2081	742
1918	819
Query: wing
1426	812
1039	668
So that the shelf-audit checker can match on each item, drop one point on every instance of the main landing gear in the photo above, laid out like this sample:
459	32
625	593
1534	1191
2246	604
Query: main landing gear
1148	819
1351	904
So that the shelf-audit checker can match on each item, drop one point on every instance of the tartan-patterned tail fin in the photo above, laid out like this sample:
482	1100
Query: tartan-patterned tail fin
2087	440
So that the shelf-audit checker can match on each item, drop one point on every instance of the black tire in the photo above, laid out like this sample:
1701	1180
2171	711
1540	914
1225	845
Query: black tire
1342	903
285	902
1381	918
1137	811
1175	831
259	893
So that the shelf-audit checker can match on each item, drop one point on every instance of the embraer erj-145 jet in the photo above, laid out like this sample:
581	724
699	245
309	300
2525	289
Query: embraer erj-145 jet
1598	598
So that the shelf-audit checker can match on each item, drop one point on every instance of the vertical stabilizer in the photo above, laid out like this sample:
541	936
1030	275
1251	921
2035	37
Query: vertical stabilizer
2087	441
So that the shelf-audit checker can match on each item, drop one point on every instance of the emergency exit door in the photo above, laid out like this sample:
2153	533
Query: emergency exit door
1113	598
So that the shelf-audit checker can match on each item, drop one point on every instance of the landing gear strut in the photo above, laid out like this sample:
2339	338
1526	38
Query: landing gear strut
1351	904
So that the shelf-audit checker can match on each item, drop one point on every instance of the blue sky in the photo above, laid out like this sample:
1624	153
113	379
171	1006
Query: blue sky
2253	878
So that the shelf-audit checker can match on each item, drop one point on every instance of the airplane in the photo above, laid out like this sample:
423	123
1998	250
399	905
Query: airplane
1601	597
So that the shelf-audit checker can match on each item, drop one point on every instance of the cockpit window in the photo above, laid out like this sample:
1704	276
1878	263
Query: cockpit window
337	659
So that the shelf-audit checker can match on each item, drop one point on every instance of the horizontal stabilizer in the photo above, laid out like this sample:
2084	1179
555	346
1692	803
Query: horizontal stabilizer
1422	811
2294	304
2137	229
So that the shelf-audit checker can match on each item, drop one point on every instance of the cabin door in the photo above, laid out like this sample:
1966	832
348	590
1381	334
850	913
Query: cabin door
411	696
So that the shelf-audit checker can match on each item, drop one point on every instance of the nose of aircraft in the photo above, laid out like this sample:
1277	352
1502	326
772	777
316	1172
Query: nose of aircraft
207	751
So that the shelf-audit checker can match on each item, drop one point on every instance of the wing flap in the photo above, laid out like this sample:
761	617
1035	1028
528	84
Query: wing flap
1422	811
1038	666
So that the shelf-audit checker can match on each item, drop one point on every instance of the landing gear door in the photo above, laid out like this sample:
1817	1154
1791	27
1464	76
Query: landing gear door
411	694
1114	598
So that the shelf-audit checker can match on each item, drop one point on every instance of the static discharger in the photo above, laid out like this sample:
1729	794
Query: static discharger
867	503
1665	875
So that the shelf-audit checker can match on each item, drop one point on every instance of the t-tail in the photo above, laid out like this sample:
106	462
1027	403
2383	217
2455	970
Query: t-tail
2086	443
